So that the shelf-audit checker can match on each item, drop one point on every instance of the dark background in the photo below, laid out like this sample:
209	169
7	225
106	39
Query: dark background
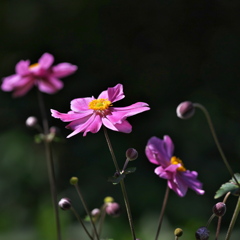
163	52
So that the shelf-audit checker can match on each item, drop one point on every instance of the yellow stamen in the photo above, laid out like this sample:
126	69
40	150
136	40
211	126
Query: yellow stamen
34	65
175	160
99	104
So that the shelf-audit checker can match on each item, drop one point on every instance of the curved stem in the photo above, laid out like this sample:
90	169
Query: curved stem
50	164
234	218
216	140
86	209
123	188
162	212
81	222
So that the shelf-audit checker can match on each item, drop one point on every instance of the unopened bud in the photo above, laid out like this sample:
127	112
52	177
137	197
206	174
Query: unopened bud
108	200
131	154
31	122
95	212
65	203
178	232
185	110
113	209
74	180
219	209
202	233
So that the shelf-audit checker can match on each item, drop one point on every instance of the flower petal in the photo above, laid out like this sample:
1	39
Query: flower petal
81	104
125	126
63	70
22	67
113	94
46	60
50	85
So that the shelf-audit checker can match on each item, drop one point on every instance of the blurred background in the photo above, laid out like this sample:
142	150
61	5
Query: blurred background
163	52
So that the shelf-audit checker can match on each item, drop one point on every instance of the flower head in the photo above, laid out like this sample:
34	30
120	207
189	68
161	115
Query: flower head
160	152
41	74
89	114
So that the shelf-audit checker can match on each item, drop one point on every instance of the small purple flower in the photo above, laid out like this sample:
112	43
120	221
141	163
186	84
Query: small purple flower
160	152
41	74
89	114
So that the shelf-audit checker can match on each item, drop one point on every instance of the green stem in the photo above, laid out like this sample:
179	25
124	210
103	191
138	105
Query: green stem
86	209
81	222
50	164
216	140
234	218
123	188
162	212
102	218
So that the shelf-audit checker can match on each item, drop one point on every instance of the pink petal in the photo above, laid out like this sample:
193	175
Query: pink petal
20	91
123	127
63	70
22	67
81	104
50	85
10	82
113	94
46	60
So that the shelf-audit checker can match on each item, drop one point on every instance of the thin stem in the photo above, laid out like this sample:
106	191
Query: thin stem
50	164
162	212
218	228
216	140
101	220
234	218
81	222
210	220
123	188
86	209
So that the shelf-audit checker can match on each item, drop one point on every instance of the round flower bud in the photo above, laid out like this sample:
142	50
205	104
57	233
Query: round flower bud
65	203
108	200
31	121
113	209
185	110
202	233
178	232
95	212
131	154
74	180
219	209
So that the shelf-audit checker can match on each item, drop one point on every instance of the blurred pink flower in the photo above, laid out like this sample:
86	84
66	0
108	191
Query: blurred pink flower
160	152
41	74
88	114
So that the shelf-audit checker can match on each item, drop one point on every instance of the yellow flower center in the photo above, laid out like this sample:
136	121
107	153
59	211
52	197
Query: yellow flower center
175	160
99	104
34	65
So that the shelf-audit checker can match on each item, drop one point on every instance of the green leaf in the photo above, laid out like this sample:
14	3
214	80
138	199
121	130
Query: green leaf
116	180
130	170
230	186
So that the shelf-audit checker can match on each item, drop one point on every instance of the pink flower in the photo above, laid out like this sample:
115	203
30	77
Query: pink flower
89	114
42	74
160	152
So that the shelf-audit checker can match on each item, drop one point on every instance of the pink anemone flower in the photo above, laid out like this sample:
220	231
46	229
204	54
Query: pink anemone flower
89	114
42	74
160	152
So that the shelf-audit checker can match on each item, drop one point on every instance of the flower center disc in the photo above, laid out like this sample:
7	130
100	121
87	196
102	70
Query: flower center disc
34	65
99	104
175	160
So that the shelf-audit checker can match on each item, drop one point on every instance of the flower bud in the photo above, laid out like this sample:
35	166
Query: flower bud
113	209
202	233
131	154
178	232
219	209
185	110
108	200
31	122
74	180
95	212
65	203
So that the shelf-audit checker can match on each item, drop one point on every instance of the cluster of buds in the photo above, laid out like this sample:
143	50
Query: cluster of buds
112	208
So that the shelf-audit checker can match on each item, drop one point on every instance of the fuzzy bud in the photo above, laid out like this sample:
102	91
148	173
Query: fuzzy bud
95	212
113	209
219	209
65	203
202	233
31	122
185	110
178	232
74	180
131	154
